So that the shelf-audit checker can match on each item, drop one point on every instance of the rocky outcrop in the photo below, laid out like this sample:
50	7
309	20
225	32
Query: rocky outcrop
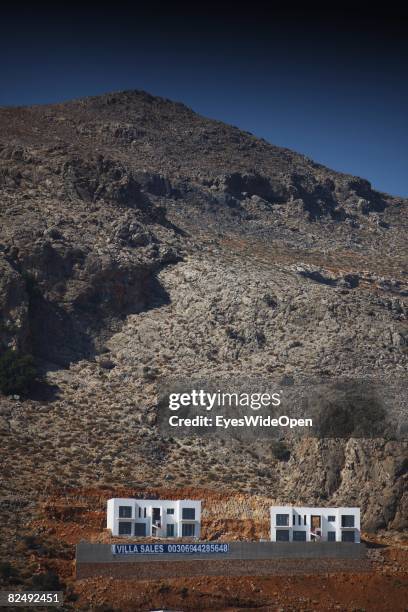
102	179
72	274
14	328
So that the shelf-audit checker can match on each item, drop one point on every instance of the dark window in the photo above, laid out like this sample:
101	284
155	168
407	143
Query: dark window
348	536
170	531
144	512
125	511
125	528
188	530
282	535
299	520
140	512
331	519
304	519
331	536
140	529
282	520
170	510
347	520
299	536
189	514
294	520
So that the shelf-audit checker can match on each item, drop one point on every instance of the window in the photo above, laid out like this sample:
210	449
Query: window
348	536
299	536
188	530
125	511
299	520
170	510
347	520
144	512
304	519
125	528
170	531
331	536
282	535
294	520
189	514
331	519
140	529
282	520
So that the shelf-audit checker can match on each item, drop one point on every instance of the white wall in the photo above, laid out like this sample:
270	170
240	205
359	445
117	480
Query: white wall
295	512
145	507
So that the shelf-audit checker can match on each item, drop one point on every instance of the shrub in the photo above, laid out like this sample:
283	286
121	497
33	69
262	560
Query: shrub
30	542
184	592
280	451
49	581
106	364
270	300
7	570
17	373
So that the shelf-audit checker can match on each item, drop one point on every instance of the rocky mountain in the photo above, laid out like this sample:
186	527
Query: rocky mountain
139	240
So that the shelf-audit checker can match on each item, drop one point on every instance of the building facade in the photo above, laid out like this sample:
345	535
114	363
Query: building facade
304	524
154	518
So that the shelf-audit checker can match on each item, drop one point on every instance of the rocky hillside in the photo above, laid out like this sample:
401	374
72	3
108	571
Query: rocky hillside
139	240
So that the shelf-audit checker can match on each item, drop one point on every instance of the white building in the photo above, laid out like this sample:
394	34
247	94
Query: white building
154	517
303	524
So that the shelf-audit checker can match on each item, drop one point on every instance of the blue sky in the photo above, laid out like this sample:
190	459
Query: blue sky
332	89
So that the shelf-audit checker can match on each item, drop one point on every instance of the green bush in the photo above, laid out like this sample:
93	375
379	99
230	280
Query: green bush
17	373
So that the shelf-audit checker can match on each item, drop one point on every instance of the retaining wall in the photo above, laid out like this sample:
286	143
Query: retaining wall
243	558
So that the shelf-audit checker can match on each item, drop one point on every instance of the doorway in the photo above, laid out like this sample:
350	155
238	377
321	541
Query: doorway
315	527
156	515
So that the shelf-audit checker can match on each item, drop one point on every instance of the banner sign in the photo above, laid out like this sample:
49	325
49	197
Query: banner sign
159	549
